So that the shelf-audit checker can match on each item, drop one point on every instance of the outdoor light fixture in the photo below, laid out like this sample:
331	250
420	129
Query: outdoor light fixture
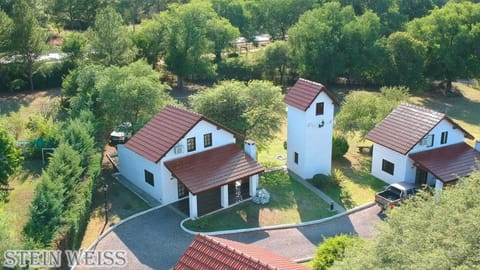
321	124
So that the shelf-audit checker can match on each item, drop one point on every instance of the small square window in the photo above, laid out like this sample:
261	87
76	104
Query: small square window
388	167
191	145
207	140
444	138
295	158
149	178
319	108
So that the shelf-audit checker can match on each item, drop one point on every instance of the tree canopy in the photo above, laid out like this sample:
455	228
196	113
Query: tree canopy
254	109
361	111
427	232
10	157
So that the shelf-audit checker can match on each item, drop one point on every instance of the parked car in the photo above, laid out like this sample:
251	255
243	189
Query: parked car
121	133
394	194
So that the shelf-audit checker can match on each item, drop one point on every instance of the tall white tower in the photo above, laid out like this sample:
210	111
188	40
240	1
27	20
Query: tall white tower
309	128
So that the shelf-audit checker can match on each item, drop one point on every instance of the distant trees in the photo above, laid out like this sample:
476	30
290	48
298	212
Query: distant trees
427	232
109	39
5	30
10	157
27	38
254	109
361	111
451	36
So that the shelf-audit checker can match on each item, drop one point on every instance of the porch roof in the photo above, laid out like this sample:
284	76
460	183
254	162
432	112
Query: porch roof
448	163
213	168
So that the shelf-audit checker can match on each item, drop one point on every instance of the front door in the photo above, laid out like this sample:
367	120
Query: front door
421	177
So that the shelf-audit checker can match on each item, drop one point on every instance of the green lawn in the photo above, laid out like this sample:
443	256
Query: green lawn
275	154
290	202
18	205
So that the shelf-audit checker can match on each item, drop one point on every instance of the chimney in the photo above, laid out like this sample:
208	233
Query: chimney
477	146
250	148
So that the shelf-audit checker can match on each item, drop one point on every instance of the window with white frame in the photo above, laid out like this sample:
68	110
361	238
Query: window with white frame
427	140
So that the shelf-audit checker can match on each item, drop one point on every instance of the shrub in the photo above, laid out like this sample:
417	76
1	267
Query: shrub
239	68
340	146
323	181
332	249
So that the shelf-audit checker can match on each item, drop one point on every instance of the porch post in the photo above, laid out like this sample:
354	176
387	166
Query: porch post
253	184
438	189
224	196
192	199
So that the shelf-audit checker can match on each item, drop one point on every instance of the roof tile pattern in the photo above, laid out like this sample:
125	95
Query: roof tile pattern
162	132
405	126
207	253
448	163
304	92
213	168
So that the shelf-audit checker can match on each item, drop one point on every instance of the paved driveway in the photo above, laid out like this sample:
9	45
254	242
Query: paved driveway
155	240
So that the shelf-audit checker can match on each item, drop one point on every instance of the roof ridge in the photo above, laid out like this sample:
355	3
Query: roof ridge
312	82
422	108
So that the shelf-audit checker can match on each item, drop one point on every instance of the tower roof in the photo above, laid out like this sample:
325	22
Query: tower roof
304	92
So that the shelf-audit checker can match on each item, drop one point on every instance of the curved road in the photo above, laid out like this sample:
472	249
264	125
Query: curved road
156	241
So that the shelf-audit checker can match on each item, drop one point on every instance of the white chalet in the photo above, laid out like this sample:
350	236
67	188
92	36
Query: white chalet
310	128
180	154
421	146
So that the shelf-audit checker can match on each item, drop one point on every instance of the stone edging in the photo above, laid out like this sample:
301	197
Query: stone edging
283	226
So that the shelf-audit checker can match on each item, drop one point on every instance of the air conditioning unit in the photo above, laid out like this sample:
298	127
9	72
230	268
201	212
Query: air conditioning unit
178	149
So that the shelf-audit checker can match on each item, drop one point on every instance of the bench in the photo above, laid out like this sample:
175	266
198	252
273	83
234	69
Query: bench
365	149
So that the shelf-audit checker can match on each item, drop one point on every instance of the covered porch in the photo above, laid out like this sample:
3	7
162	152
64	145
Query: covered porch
215	178
447	164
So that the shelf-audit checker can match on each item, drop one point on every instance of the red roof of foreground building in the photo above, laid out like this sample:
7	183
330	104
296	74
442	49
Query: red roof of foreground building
164	131
211	253
304	92
213	168
448	163
405	126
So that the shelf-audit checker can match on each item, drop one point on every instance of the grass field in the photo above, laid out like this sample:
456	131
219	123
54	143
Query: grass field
275	154
290	203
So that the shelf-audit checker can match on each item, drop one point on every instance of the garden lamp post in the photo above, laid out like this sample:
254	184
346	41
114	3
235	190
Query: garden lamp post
105	188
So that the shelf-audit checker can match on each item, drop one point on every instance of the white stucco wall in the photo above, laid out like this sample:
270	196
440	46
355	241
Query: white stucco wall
132	165
311	142
403	170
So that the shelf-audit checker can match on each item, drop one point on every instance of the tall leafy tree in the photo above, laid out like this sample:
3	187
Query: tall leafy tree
5	30
427	232
77	134
451	35
73	14
415	8
222	33
361	111
255	109
132	93
237	12
28	39
110	41
150	39
10	157
276	59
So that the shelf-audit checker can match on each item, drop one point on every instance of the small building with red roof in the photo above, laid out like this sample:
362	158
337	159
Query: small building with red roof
180	155
212	253
421	146
310	109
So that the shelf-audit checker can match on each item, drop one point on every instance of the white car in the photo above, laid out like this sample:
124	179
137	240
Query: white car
121	133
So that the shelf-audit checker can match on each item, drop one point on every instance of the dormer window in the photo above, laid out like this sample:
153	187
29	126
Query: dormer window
444	138
319	108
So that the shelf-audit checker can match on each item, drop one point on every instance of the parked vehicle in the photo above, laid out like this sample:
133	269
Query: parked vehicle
394	194
121	133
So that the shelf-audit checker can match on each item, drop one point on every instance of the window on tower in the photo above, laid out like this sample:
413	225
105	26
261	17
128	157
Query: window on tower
319	108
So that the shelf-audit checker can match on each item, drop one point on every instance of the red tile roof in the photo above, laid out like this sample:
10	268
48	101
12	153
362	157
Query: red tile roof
213	168
211	253
448	163
405	126
164	131
304	92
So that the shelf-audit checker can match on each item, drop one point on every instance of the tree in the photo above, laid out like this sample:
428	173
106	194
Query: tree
7	233
237	13
132	93
276	59
10	157
451	35
77	134
415	8
332	249
404	61
150	39
255	110
45	211
222	33
73	14
110	42
361	111
5	30
75	45
27	39
426	232
186	43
